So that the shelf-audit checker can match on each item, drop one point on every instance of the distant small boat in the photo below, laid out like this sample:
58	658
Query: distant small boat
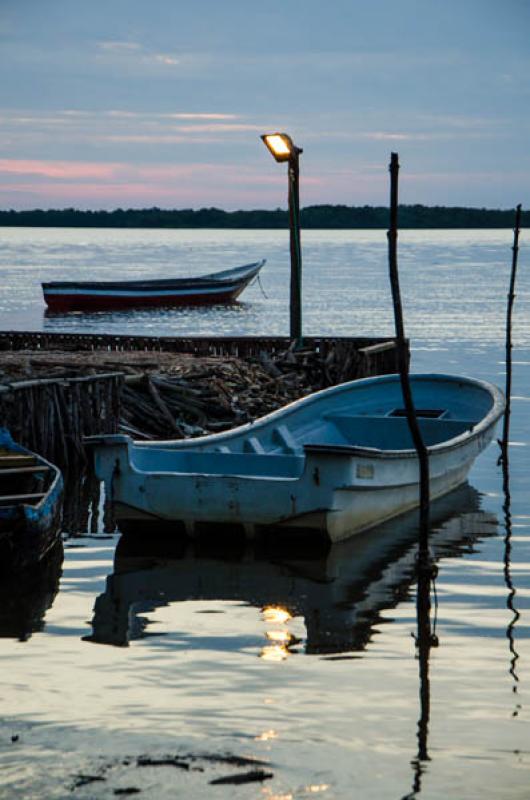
217	287
340	461
31	494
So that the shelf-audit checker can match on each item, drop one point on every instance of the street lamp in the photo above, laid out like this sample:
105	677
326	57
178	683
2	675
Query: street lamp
283	148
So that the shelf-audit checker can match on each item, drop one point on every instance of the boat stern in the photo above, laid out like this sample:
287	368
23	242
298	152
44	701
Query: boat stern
110	455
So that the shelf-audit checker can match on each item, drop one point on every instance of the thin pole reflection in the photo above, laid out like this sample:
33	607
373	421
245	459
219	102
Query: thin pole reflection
425	639
510	599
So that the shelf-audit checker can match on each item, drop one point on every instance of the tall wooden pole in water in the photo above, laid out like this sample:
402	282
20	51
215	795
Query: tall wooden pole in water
403	363
295	247
511	298
424	638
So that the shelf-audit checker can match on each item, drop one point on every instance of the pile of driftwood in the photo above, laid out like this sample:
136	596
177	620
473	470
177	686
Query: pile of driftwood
166	394
207	395
170	395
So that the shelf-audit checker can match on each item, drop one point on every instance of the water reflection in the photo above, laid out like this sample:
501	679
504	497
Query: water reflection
25	598
425	639
338	593
85	509
508	580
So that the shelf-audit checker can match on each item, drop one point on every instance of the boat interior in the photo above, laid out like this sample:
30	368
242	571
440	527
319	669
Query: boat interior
23	478
279	450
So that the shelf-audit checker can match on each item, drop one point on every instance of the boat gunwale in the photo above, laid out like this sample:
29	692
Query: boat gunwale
51	492
217	280
495	412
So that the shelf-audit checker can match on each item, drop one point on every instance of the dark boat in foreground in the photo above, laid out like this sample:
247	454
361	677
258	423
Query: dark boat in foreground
217	287
31	494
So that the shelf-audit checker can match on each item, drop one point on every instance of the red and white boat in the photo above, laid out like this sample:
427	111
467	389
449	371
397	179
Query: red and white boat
217	287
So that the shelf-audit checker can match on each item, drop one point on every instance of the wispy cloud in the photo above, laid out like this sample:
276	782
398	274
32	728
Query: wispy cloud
118	46
136	52
162	58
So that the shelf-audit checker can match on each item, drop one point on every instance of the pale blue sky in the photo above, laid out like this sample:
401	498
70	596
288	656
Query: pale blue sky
132	103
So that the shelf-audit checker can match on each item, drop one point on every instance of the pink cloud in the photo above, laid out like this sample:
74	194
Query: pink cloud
139	194
98	185
69	170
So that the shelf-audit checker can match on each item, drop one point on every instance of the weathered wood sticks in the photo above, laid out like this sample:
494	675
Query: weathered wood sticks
51	399
51	416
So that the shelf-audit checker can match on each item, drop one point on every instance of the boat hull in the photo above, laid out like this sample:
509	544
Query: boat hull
224	287
312	465
91	302
29	530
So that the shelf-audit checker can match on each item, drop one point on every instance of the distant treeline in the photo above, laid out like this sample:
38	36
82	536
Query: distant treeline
327	216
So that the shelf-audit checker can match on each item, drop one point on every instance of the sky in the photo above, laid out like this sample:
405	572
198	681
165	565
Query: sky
138	103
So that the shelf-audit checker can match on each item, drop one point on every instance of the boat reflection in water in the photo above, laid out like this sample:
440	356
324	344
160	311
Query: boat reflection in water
26	596
339	590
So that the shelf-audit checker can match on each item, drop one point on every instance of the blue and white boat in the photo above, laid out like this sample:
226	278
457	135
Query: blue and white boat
31	496
340	460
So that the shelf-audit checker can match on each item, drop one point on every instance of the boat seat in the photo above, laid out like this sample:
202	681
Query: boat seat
392	433
282	435
253	445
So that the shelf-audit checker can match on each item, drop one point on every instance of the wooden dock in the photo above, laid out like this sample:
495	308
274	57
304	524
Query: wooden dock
51	414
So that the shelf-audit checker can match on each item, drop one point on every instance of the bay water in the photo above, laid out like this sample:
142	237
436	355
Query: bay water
302	663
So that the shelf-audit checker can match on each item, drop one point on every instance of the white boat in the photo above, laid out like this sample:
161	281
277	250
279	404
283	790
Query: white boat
340	461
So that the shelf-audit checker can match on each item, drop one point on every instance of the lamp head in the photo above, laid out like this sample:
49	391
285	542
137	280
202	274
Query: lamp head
281	146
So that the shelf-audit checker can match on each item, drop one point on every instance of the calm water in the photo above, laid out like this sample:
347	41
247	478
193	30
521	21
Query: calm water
190	655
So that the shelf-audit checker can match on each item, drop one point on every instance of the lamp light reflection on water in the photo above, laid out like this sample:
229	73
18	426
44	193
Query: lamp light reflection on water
280	639
266	736
274	652
276	615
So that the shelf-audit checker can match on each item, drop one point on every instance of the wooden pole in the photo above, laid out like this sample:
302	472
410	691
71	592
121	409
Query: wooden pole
425	638
509	346
403	363
504	460
295	249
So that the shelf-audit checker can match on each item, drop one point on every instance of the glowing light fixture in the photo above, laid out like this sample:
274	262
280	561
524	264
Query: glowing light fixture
283	148
280	145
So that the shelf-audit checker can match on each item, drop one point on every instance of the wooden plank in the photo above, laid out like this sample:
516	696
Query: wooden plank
17	460
22	498
373	349
4	471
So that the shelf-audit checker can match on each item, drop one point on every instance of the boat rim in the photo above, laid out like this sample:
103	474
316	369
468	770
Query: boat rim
490	418
220	277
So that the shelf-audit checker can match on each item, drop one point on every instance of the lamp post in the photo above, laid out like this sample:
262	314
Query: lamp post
283	148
